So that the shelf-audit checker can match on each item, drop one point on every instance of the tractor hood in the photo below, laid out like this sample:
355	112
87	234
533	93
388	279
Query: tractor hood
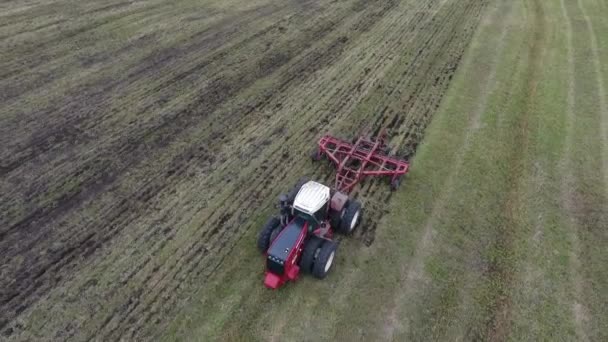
281	248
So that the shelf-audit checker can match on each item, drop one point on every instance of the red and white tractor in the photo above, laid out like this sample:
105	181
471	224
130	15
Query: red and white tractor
301	238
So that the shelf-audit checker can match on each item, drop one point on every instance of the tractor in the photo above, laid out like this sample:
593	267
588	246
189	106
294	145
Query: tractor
301	237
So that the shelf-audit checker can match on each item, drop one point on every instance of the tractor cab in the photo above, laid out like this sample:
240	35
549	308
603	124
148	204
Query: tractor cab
312	204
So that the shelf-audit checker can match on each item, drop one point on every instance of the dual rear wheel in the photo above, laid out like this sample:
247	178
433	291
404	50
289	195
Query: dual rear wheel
319	254
346	220
318	257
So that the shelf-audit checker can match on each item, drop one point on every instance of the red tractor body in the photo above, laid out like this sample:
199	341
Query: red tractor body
283	256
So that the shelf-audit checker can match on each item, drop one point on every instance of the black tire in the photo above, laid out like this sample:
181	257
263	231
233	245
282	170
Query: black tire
266	235
351	218
309	253
325	259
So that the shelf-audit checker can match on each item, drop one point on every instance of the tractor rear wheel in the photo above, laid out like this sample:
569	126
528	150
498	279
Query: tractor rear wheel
311	250
268	234
351	218
325	259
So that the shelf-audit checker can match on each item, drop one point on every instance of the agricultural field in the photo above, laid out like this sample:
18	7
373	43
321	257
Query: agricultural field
144	144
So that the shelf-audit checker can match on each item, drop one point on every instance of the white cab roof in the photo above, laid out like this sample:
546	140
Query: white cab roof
311	197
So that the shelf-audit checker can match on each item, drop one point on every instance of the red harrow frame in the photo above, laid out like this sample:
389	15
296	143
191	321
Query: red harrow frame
364	157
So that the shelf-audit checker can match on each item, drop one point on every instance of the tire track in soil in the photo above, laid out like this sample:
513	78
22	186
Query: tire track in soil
501	271
412	272
601	90
579	312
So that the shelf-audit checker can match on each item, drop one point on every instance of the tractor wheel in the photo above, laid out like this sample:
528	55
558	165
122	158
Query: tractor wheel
351	218
325	259
311	250
268	233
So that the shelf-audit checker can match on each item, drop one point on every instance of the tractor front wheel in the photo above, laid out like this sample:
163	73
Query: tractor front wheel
268	234
325	259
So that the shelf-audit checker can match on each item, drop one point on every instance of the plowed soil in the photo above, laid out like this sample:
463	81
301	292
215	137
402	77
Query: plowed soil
142	140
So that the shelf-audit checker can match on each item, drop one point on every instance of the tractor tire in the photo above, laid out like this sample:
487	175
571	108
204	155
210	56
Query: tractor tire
268	233
325	259
311	250
291	195
351	218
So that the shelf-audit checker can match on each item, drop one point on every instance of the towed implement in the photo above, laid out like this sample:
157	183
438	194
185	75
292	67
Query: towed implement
301	237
